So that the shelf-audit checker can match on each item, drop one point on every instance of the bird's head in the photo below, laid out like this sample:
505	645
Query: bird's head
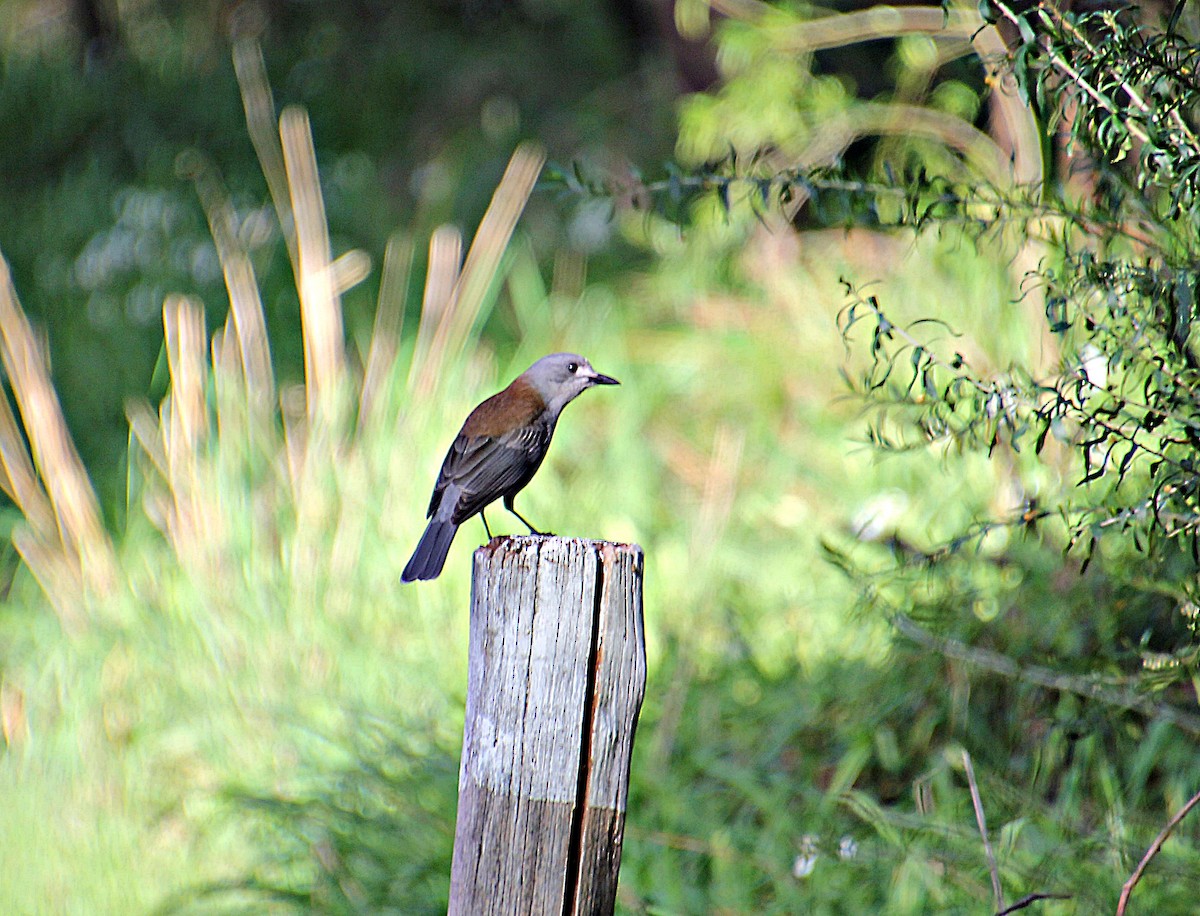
561	377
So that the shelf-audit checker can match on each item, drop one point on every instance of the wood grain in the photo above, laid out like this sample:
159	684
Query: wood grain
556	678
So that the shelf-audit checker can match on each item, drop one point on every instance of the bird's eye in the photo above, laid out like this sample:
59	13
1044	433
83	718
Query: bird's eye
572	368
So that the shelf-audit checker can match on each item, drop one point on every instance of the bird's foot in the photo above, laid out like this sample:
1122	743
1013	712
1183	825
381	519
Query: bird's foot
533	531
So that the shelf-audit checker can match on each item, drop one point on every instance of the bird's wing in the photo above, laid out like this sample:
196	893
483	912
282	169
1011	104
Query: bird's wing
484	468
444	477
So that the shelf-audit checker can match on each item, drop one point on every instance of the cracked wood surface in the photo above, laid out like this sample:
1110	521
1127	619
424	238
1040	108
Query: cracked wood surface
557	671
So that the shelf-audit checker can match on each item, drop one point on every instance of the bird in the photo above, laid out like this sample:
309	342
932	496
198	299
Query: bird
496	453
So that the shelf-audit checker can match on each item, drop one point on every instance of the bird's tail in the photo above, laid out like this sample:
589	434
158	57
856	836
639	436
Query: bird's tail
429	557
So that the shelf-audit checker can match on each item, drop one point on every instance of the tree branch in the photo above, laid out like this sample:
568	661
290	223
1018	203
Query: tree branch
977	802
1129	885
1044	677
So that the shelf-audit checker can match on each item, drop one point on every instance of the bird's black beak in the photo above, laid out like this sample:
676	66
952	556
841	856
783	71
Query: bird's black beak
599	379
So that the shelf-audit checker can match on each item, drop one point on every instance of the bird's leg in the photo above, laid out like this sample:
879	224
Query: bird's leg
532	530
485	524
508	504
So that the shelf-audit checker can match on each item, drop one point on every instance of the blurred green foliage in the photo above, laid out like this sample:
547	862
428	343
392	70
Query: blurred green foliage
416	106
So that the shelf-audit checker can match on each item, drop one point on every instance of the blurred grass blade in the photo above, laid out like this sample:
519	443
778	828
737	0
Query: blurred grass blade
228	384
259	104
320	309
20	481
717	497
349	270
495	231
56	573
466	299
186	343
74	504
246	314
441	275
143	424
185	413
389	321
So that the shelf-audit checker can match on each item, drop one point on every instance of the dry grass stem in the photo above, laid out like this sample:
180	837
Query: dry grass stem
1128	886
349	270
73	502
320	308
717	497
492	238
981	820
184	415
186	343
261	123
246	315
65	542
445	260
389	322
20	481
145	430
57	573
465	300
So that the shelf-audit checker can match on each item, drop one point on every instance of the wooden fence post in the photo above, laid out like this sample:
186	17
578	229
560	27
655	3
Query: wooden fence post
557	672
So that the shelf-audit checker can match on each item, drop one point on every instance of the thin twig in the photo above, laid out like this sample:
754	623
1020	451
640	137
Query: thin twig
1134	96
1129	885
1030	899
800	180
983	831
1046	13
1044	677
1074	75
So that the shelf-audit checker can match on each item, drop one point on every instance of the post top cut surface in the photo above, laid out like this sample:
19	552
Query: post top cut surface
516	542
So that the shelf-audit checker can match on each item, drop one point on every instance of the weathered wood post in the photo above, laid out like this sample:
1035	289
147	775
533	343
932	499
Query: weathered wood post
557	672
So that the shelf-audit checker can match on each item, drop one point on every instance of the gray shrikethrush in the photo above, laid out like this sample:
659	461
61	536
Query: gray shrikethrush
497	452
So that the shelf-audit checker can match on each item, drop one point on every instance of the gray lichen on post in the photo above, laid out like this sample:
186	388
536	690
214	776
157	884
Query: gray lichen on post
557	673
